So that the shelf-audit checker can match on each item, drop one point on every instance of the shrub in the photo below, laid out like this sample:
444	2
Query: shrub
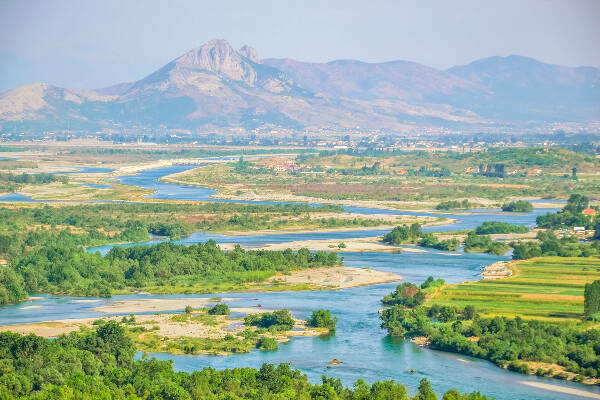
280	320
267	343
492	227
219	309
322	319
518	206
518	367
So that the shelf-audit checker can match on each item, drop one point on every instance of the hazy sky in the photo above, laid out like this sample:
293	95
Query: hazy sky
90	44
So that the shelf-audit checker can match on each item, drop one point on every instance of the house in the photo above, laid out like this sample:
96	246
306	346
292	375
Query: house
589	211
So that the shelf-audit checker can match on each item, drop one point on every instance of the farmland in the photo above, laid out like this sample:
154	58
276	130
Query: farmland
547	288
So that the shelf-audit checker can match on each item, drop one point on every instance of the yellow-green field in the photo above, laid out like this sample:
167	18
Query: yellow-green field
548	288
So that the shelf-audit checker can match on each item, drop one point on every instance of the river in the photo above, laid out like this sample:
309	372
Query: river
364	349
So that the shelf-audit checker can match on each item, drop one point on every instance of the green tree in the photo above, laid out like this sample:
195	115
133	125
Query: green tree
425	391
322	319
592	299
219	309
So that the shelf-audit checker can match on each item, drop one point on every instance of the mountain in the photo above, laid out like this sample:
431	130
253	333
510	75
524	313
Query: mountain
510	88
355	79
523	88
215	86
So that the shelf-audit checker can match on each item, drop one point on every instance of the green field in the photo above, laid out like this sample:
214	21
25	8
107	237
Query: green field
547	288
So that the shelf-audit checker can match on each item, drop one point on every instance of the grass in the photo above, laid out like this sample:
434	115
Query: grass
206	288
546	288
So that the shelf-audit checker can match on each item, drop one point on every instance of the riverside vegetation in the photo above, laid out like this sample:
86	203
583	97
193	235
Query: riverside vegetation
414	235
209	331
43	245
547	242
409	176
540	320
89	225
161	268
100	364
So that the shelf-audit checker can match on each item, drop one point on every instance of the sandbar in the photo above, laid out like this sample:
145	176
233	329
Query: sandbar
561	389
337	277
148	305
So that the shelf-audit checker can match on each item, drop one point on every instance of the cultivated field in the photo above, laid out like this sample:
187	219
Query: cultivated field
548	288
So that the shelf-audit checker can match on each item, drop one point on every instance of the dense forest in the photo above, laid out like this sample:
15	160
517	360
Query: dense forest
100	365
73	271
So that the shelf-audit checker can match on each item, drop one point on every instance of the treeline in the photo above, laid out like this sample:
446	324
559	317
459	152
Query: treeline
91	225
413	234
550	245
73	271
518	206
453	205
11	182
571	215
15	242
475	243
100	365
505	341
494	227
429	172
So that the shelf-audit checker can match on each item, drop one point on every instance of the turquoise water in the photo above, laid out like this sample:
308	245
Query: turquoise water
363	348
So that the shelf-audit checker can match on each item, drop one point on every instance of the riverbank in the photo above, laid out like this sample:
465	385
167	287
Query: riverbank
155	305
322	278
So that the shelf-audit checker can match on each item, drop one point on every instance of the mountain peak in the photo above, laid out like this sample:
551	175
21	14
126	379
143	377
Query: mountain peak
250	53
219	57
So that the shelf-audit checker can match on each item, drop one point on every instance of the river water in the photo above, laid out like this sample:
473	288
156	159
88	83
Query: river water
359	342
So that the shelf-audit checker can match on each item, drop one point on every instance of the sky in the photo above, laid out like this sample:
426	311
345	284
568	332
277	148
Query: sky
92	44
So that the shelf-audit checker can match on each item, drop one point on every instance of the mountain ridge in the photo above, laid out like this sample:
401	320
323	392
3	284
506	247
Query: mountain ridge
214	85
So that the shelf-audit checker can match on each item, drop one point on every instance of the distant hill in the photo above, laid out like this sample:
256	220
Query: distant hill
521	88
214	86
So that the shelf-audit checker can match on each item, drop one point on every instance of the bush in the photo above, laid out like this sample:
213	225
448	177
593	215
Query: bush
453	205
406	294
280	320
267	343
322	319
219	309
493	227
518	367
432	283
518	206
